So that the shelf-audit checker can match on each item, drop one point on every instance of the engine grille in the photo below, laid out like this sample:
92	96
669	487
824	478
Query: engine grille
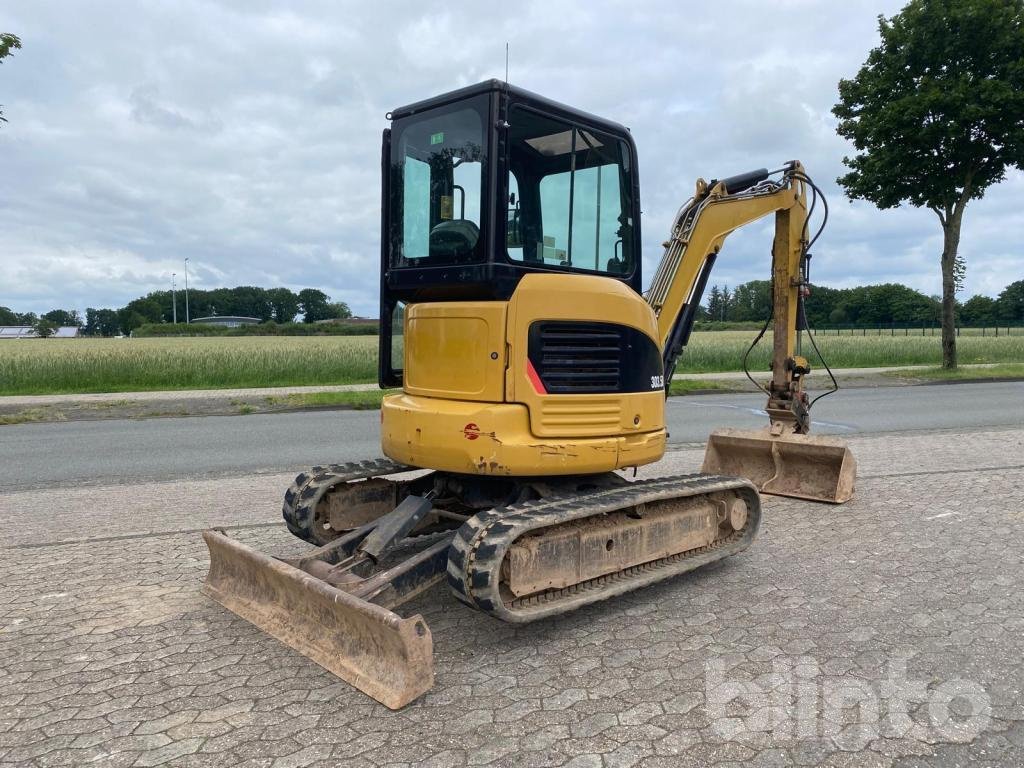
579	358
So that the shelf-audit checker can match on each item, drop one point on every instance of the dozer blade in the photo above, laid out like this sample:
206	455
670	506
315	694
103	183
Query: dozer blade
811	467
368	646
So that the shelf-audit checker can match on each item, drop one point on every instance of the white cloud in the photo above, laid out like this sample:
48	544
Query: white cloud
245	134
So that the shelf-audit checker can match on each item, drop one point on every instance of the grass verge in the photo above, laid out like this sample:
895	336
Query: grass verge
359	400
30	415
701	386
1003	371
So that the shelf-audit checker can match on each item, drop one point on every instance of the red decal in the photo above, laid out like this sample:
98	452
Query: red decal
471	431
531	373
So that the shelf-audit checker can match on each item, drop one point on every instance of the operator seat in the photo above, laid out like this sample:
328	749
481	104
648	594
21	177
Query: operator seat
457	237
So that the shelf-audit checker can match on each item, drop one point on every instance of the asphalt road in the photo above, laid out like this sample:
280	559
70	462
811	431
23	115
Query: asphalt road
116	451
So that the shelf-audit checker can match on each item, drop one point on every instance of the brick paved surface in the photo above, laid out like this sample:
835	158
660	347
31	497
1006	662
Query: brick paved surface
887	631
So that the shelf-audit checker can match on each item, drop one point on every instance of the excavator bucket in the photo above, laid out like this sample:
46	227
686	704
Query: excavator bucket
812	467
365	644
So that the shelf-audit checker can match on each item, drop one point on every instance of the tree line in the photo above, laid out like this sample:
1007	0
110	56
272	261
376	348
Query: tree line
868	305
886	304
277	305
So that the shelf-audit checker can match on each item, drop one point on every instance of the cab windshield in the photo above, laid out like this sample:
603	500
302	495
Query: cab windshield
437	178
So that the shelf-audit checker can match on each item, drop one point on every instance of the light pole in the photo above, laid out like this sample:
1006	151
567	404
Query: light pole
174	302
186	292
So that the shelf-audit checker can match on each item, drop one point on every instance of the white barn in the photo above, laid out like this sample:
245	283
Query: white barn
28	332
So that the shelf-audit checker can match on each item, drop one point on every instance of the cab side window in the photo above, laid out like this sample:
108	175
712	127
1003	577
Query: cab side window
569	204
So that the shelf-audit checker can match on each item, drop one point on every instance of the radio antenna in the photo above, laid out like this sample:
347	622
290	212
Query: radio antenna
506	61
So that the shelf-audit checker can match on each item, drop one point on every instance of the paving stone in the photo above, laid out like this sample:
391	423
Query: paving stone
167	754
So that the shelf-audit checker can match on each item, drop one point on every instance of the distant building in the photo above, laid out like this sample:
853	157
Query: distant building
348	321
28	332
227	321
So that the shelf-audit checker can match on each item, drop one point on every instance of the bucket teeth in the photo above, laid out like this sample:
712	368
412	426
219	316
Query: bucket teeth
370	647
815	467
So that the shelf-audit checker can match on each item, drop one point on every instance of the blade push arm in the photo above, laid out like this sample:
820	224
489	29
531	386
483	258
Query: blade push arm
698	232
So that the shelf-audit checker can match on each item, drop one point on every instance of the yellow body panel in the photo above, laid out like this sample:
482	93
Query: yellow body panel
495	439
469	406
456	350
579	297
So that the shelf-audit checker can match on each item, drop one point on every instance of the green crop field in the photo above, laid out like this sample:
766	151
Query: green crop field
38	366
715	351
51	366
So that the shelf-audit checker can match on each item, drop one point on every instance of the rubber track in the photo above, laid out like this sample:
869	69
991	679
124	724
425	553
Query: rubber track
479	547
310	486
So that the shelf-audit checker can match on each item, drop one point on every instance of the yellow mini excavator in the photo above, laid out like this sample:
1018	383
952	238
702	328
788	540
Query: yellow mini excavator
531	369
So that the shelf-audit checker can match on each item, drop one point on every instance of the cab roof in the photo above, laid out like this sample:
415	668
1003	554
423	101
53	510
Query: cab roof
519	94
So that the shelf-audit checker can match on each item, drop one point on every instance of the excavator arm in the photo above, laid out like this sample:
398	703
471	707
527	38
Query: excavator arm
784	460
715	211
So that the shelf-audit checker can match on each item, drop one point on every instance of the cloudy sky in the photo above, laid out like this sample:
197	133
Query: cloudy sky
245	134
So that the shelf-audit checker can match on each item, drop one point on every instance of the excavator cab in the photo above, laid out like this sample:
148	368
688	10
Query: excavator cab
490	183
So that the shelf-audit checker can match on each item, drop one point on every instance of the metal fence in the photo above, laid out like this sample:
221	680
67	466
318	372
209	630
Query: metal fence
922	329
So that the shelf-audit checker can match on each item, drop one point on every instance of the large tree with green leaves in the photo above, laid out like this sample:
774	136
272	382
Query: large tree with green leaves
936	114
63	317
1010	304
284	303
101	322
45	328
314	305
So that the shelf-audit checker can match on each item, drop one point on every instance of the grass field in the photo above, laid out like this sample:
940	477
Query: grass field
54	366
716	351
44	366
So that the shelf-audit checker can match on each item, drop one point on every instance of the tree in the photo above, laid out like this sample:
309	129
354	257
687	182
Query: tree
313	304
284	304
8	44
8	316
44	328
979	310
838	316
752	301
820	304
1010	304
245	300
101	322
63	317
152	308
130	320
718	303
338	310
934	114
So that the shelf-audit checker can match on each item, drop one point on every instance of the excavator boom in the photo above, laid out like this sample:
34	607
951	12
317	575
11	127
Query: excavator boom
782	459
